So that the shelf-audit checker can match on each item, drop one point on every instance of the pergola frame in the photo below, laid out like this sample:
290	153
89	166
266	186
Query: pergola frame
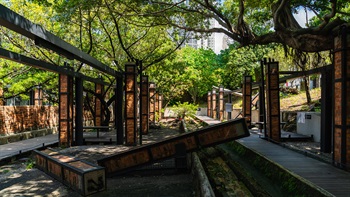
45	39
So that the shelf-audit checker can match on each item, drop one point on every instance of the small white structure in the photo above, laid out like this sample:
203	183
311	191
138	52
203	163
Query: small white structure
202	111
309	123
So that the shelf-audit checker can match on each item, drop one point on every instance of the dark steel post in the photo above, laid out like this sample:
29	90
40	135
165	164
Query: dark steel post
326	111
229	113
79	138
262	103
119	110
145	105
141	102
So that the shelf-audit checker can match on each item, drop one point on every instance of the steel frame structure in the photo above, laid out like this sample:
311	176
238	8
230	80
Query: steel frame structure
46	39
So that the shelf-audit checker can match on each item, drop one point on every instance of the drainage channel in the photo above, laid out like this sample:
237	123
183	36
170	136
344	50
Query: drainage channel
224	178
235	171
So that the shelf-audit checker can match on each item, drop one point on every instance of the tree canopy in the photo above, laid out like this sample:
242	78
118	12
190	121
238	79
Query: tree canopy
249	22
115	31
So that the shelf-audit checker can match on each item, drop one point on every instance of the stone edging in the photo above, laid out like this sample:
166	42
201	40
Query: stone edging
26	135
201	182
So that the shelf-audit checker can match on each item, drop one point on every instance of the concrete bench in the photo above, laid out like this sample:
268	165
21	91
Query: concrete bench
260	125
97	140
98	128
84	177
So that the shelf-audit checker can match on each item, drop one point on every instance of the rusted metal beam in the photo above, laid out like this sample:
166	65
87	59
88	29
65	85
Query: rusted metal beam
22	59
192	141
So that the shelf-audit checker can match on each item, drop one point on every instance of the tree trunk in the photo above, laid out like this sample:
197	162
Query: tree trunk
307	91
107	117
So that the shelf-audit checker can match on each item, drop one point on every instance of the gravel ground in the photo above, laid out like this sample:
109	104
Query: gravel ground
17	180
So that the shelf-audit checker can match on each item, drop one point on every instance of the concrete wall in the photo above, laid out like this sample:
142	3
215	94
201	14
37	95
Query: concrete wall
309	123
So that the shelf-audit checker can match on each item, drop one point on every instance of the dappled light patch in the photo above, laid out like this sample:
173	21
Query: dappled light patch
17	181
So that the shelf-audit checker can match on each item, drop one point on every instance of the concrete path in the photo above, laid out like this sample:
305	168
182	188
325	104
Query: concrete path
15	148
208	120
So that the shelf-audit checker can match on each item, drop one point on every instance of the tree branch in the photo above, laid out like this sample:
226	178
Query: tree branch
118	33
329	16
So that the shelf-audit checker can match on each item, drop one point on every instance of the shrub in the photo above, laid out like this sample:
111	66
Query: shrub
185	109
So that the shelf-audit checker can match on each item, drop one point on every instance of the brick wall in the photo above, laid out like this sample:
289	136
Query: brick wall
16	119
341	126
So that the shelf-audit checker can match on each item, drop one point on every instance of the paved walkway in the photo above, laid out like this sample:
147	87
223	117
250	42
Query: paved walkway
208	120
326	176
15	148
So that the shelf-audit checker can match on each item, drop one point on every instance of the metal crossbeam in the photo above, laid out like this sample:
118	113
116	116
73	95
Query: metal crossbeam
292	75
44	38
159	151
45	65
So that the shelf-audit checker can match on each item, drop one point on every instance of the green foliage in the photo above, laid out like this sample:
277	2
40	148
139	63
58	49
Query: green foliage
18	79
239	62
185	109
188	70
237	148
30	163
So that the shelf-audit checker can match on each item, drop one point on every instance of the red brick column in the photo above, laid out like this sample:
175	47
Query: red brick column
156	106
209	105
273	102
130	105
213	101
152	90
1	96
99	90
221	103
341	126
38	96
247	99
145	105
65	122
160	106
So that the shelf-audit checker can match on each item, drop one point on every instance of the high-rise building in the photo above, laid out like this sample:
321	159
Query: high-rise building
214	41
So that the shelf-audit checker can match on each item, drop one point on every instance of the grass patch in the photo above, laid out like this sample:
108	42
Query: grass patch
298	102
